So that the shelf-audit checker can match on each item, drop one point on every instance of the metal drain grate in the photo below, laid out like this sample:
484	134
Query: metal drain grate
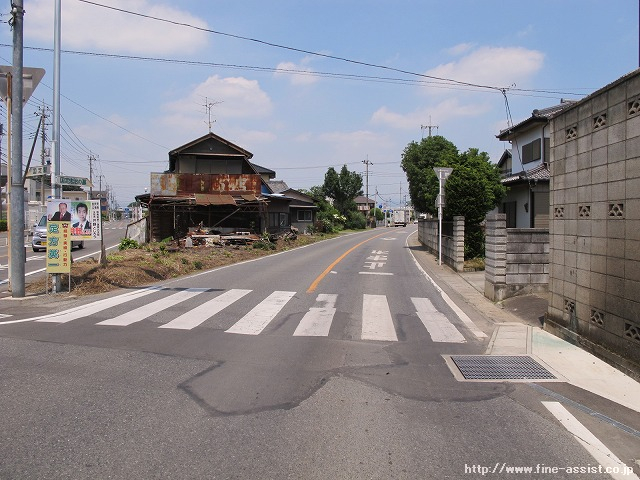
498	367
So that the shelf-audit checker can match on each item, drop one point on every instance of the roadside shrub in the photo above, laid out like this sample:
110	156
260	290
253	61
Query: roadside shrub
264	245
473	242
355	221
3	225
197	264
126	243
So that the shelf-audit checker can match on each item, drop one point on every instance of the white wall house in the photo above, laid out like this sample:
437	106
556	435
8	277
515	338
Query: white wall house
525	170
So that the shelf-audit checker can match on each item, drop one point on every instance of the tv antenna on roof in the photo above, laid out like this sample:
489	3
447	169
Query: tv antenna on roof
209	105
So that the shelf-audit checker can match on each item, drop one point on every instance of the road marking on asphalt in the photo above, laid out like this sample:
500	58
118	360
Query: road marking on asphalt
193	318
317	321
95	307
588	440
261	315
145	311
461	315
436	323
377	323
317	281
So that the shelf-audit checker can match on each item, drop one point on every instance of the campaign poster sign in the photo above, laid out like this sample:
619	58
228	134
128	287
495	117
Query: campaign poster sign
58	247
83	215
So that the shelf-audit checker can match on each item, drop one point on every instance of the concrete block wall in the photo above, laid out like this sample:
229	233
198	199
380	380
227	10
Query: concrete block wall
516	259
595	223
452	246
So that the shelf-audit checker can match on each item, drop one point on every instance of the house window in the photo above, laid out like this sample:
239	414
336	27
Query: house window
304	215
279	220
532	151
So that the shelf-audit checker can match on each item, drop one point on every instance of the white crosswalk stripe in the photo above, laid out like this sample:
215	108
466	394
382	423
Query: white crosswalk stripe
377	321
95	307
202	313
436	323
257	319
317	321
145	311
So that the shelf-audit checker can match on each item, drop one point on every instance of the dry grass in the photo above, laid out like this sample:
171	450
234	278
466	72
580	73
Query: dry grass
154	263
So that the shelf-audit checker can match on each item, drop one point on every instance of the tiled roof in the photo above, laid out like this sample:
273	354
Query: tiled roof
539	173
278	186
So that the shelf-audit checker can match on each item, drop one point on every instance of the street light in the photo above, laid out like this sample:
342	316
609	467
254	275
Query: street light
442	173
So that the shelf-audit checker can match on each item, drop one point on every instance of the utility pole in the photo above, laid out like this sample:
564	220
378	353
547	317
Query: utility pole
429	127
92	159
16	219
43	135
367	163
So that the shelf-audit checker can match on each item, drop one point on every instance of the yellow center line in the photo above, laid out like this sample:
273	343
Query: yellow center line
317	281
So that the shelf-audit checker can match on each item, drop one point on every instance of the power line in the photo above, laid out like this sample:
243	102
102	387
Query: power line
443	83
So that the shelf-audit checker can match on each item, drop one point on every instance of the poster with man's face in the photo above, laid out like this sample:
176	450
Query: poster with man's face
83	216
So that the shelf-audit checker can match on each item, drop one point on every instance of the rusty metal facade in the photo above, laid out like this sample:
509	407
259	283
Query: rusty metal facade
177	184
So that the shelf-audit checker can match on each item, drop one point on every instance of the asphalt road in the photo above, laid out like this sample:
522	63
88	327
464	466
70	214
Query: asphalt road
323	362
113	232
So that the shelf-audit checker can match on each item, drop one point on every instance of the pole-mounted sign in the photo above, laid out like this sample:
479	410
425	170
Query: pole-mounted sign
442	173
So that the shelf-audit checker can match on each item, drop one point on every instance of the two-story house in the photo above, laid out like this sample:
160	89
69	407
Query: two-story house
211	184
525	170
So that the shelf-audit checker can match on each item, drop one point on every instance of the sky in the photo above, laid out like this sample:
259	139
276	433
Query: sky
306	85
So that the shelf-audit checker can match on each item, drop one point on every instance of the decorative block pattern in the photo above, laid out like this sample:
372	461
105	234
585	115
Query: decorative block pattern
599	121
594	280
632	332
597	317
616	210
584	211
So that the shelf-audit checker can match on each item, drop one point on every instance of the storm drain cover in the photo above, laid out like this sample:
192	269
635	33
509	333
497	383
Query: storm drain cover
500	367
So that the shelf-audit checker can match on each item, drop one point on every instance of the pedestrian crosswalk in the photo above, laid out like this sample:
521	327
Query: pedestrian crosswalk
247	312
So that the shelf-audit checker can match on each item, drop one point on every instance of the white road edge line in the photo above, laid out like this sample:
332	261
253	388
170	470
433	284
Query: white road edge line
588	440
461	315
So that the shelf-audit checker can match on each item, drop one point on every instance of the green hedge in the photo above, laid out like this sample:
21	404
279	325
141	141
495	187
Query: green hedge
3	225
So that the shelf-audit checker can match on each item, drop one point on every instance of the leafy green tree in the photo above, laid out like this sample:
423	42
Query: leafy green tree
472	190
418	162
342	188
328	218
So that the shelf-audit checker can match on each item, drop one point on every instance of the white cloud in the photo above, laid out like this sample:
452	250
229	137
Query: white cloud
231	97
460	49
303	74
492	66
88	27
444	111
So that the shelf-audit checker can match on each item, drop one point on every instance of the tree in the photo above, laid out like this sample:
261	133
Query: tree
472	190
342	188
418	162
474	187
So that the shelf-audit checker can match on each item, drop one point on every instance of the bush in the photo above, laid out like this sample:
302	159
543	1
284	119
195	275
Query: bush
197	264
473	242
3	225
355	221
126	243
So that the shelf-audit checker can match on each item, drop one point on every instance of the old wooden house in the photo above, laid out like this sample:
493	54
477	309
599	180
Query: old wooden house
211	184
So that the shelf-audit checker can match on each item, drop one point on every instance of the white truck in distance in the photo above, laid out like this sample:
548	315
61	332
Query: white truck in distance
400	218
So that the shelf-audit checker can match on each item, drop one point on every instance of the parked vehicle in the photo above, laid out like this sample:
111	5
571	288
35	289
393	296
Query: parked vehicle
400	218
39	241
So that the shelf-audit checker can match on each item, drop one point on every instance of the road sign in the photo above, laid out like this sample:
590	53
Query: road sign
38	171
80	181
30	79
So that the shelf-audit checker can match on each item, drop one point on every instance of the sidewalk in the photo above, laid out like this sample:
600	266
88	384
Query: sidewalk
518	331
